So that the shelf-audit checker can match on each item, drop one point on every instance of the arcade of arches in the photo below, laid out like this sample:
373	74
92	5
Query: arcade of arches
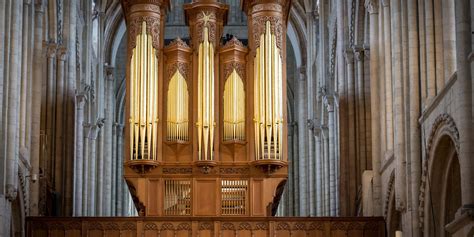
379	101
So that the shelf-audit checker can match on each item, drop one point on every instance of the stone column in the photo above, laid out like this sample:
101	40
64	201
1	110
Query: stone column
50	109
388	76
109	164
3	82
114	171
332	160
318	172
296	193
119	158
430	49
303	162
414	97
13	94
399	111
465	104
92	169
86	165
327	169
38	64
360	113
343	100
59	133
352	178
79	155
373	7
100	154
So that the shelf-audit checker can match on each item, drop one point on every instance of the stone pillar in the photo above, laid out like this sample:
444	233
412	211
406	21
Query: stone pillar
352	178
332	160
318	172
343	100
399	110
13	94
119	158
100	154
360	113
59	131
109	164
50	110
303	161
465	104
92	169
38	64
388	76
109	161
414	97
373	7
430	49
3	82
327	170
79	154
86	165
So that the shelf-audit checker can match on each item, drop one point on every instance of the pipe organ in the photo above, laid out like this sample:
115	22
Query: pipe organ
234	108
206	133
177	104
268	110
206	119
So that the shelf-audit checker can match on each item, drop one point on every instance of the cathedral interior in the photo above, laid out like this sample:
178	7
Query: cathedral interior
237	118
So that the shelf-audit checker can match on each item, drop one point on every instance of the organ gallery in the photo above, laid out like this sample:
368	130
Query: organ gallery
206	116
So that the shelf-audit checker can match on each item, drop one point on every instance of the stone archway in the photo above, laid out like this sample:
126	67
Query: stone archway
393	217
440	195
444	188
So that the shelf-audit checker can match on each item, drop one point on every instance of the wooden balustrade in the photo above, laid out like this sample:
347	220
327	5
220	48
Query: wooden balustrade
205	226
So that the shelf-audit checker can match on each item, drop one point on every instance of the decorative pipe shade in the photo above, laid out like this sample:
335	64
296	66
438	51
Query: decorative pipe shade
205	123
143	98
268	98
177	124
234	108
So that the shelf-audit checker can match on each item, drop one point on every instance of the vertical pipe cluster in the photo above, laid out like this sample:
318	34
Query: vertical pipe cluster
144	98
234	108
234	197
177	197
206	120
177	104
268	98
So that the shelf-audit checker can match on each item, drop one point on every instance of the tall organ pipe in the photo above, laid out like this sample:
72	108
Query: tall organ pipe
268	112
206	121
143	98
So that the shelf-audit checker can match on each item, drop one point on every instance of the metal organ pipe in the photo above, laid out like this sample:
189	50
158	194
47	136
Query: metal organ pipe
143	96
268	111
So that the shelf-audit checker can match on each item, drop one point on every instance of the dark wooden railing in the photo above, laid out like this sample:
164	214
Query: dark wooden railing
205	226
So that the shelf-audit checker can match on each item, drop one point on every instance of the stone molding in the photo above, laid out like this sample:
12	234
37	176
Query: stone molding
11	192
388	193
443	125
372	6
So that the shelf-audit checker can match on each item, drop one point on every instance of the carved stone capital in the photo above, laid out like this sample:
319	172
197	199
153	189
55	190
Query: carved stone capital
109	73
62	53
81	99
11	192
359	54
51	49
349	55
372	6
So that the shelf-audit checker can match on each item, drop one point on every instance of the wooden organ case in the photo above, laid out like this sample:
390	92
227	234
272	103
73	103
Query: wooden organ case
206	132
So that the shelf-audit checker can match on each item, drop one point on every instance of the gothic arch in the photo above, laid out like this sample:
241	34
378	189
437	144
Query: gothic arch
389	193
393	217
442	143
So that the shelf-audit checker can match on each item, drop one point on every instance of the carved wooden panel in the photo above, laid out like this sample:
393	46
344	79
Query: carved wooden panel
206	226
